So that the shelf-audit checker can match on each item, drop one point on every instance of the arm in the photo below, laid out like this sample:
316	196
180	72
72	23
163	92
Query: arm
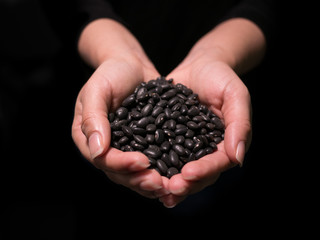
120	64
210	69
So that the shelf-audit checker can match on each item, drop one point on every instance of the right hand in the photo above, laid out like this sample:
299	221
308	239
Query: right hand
104	92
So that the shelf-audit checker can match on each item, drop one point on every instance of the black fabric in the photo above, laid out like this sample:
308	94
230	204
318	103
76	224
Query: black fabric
168	29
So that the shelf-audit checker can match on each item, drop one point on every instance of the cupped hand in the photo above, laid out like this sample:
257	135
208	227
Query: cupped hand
113	81
218	87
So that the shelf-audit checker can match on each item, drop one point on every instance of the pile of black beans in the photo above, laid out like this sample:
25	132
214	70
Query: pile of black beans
167	123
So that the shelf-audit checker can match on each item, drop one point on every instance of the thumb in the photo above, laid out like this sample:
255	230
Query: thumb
238	125
94	120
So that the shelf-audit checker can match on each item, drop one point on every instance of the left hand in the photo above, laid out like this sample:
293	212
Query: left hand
224	93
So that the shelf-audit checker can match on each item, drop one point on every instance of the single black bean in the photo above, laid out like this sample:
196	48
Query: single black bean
111	117
162	103
189	133
188	143
173	101
123	140
210	126
180	139
141	140
169	133
150	138
184	109
175	114
201	153
153	151
176	107
193	111
179	149
213	145
142	94
136	115
172	124
139	131
118	134
169	94
151	128
136	145
208	150
162	166
168	112
159	136
218	123
122	113
172	171
129	100
143	122
217	139
192	125
165	146
198	145
146	110
181	131
191	157
156	111
174	158
166	159
160	119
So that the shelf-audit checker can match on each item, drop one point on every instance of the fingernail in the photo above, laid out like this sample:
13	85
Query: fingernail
149	186
241	148
95	145
138	166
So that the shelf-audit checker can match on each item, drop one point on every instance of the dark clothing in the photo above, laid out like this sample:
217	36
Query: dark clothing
168	29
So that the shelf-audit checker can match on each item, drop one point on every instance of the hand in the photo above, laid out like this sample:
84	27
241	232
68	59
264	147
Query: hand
224	93
112	81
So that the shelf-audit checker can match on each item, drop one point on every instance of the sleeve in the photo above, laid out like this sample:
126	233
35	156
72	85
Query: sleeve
261	12
90	10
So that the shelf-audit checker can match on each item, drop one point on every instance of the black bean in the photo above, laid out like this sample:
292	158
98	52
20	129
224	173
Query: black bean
129	100
218	123
140	140
146	110
174	158
160	119
192	125
142	94
139	131
181	131
193	111
122	113
201	153
169	94
150	138
180	139
162	166
165	146
123	140
178	149
172	171
143	122
153	151
188	143
159	136
167	123
156	111
198	145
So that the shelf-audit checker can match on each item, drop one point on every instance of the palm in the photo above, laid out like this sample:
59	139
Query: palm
218	87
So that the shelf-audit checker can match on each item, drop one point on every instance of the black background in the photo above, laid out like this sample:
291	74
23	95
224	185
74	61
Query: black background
51	192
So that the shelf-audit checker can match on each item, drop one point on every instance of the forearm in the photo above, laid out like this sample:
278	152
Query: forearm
237	42
106	38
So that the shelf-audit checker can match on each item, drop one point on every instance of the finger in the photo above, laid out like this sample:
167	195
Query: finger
237	116
199	174
147	182
171	200
117	161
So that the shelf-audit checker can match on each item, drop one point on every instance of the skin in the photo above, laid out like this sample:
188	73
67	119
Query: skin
211	69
